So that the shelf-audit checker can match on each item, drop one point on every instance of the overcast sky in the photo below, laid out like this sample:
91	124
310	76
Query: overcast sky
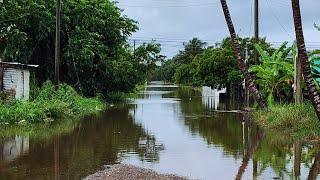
172	22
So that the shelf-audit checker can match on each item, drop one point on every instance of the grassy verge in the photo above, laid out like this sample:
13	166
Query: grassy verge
49	105
298	121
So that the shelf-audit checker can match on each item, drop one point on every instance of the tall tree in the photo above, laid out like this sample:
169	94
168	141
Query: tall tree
302	54
242	66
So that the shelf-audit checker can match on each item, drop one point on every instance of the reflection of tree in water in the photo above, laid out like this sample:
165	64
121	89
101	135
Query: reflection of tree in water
275	151
95	142
220	130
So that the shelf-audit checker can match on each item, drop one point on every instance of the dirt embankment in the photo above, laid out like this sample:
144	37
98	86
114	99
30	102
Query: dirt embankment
128	172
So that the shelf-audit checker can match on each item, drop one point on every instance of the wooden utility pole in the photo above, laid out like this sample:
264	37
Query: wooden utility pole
57	43
256	29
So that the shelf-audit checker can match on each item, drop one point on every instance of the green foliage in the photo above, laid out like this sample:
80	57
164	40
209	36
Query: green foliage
95	56
183	74
174	69
315	65
193	48
166	71
247	47
218	68
149	55
296	120
275	74
213	66
49	105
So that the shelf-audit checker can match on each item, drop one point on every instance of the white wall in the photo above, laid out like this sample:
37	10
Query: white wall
18	80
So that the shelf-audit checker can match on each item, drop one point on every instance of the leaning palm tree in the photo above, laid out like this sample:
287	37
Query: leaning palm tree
302	54
241	64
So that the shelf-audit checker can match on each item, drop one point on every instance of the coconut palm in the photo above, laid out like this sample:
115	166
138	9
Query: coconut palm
314	95
241	64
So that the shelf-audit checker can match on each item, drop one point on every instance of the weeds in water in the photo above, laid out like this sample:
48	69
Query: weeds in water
297	120
47	105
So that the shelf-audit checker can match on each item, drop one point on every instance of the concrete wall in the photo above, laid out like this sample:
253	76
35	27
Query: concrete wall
17	80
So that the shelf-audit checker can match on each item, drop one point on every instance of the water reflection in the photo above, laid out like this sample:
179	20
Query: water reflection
95	142
13	148
169	129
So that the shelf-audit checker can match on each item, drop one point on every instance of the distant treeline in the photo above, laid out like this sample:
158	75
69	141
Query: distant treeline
215	66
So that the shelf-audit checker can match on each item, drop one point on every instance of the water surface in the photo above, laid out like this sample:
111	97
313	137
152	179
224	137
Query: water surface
170	129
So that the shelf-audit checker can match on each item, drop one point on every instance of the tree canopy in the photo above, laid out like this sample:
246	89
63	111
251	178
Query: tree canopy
96	58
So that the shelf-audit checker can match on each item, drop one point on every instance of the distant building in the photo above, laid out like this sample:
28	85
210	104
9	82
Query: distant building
15	79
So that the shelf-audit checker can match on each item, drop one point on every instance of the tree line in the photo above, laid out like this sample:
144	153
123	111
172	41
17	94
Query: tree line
96	56
215	66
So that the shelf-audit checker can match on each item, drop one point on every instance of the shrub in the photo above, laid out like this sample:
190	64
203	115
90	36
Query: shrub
49	104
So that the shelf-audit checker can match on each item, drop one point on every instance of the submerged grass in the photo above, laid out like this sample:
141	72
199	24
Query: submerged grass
40	131
47	105
298	121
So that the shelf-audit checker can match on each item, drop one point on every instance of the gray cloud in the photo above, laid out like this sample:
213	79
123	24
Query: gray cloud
185	19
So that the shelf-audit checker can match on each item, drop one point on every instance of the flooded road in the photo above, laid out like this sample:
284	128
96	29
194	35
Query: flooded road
169	129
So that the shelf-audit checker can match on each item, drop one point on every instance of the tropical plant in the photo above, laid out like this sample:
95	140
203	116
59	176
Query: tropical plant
191	49
315	66
275	73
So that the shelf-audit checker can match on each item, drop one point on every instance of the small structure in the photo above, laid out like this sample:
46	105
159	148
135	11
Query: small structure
15	79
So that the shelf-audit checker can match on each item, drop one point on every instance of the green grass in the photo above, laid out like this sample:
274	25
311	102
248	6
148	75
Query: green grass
48	105
298	121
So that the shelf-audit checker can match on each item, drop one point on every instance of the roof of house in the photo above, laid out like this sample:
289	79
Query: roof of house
18	65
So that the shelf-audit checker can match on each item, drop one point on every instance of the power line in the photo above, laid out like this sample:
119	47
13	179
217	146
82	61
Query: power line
278	20
170	6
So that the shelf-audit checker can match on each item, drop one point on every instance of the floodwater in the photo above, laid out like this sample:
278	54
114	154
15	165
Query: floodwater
169	129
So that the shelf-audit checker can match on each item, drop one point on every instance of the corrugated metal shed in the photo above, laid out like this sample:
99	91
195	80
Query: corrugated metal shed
15	78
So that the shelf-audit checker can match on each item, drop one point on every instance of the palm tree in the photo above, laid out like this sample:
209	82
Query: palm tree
302	54
241	64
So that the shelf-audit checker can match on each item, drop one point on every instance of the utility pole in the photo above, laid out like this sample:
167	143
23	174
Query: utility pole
134	49
57	43
256	29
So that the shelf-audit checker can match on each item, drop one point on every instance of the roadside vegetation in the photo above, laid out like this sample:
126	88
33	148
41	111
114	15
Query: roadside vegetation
201	65
97	58
49	105
98	64
298	121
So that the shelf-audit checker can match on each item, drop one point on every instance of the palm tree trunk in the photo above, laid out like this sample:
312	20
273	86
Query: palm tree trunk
241	64
302	54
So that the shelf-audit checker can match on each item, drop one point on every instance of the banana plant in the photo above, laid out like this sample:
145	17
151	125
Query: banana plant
314	60
275	73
